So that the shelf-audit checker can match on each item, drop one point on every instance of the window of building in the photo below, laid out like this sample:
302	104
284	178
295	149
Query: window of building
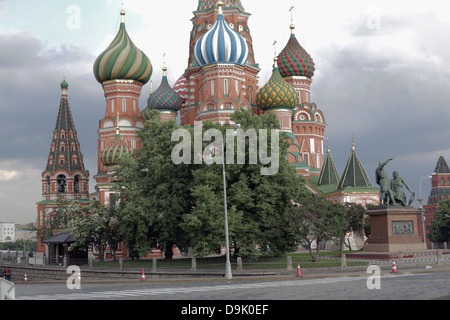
62	182
76	184
48	186
225	86
124	105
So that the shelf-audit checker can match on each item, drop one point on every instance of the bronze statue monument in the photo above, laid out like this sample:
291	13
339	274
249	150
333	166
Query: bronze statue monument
391	191
393	224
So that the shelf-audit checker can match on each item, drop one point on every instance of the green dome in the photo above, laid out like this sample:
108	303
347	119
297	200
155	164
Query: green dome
123	60
64	84
277	93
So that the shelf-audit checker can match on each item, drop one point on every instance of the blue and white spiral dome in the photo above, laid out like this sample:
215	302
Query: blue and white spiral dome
221	44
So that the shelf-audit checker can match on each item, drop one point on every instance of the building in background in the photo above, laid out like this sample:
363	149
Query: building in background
7	232
440	190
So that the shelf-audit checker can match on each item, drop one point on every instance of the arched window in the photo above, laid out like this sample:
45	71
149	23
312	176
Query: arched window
76	184
62	182
48	188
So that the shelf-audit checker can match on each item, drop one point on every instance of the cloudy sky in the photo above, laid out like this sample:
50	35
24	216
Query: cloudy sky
381	76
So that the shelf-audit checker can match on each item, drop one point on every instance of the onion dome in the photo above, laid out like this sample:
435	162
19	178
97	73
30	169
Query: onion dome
277	93
123	60
64	84
181	88
114	151
163	99
221	44
294	60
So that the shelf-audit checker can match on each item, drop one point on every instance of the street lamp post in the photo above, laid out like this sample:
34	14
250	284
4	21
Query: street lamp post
422	211
228	274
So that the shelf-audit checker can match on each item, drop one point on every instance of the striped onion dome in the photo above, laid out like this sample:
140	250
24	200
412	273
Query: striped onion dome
114	151
221	44
293	60
163	99
276	93
181	88
122	60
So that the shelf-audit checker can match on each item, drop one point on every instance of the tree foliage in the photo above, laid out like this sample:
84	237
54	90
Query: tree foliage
183	205
55	220
257	204
154	192
440	226
317	219
95	225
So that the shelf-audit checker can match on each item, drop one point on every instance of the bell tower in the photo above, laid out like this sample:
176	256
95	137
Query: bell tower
65	179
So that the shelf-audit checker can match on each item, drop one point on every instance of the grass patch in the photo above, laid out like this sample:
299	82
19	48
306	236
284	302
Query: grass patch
326	259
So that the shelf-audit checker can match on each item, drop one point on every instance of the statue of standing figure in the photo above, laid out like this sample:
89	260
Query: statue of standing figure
386	196
397	189
391	191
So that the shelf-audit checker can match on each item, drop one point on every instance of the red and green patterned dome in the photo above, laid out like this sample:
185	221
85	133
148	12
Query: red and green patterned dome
276	93
163	99
294	60
114	151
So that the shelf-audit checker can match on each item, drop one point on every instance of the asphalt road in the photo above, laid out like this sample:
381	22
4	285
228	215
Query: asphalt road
388	287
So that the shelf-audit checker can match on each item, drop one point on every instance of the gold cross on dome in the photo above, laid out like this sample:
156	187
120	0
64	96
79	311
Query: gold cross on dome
291	10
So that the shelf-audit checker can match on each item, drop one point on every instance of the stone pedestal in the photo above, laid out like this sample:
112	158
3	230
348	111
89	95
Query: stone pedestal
393	229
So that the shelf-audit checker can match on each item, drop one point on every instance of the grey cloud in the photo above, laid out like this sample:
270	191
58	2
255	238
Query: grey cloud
395	101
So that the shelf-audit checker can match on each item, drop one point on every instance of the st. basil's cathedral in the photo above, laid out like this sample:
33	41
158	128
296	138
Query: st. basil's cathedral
221	77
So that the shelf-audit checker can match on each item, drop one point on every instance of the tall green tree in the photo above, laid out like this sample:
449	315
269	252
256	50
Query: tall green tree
317	219
440	226
155	192
257	204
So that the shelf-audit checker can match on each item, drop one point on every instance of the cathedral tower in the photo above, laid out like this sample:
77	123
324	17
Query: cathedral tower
308	122
222	75
65	179
122	70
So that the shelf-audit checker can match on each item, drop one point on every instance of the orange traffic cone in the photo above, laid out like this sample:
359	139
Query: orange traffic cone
299	272
394	267
143	275
25	279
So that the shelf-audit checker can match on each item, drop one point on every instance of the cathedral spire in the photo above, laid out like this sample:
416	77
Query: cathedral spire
354	173
65	153
329	174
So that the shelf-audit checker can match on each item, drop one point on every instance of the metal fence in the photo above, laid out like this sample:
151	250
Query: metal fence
260	264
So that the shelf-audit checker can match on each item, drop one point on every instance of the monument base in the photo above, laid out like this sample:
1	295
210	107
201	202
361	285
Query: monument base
393	229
